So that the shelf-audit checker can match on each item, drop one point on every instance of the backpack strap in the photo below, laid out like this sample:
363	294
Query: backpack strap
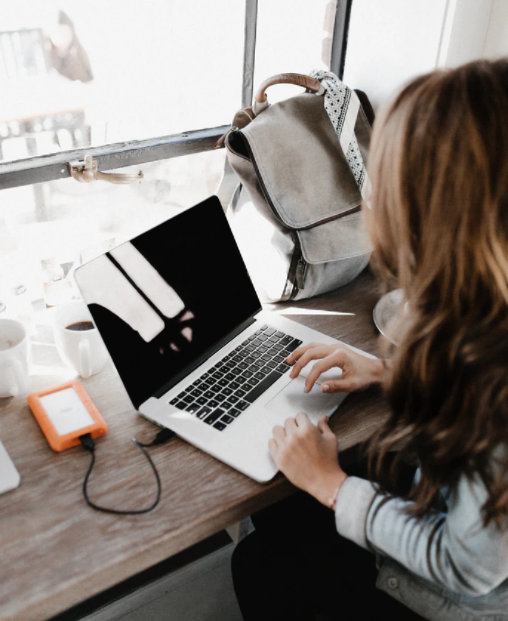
343	105
229	188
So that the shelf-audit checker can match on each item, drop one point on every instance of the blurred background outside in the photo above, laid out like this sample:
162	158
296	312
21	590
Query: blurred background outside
80	74
75	75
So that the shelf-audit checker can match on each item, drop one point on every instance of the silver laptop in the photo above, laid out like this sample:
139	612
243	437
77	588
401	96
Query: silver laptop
193	347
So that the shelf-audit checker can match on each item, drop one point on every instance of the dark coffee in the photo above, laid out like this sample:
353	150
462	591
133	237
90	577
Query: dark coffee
79	326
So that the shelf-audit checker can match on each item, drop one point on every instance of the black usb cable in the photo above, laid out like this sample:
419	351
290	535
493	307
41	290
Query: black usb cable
89	445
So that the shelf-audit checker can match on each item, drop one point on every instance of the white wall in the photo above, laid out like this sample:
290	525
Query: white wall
496	42
465	29
392	41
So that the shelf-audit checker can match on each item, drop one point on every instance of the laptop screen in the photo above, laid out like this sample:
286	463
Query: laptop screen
165	298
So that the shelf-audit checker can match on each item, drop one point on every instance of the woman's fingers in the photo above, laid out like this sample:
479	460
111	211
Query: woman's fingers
290	425
293	357
337	359
329	356
302	420
323	426
272	447
314	353
308	455
345	385
279	433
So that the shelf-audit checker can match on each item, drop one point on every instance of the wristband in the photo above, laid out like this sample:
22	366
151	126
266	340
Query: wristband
332	501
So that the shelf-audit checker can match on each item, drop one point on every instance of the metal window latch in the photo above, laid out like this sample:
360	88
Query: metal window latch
86	171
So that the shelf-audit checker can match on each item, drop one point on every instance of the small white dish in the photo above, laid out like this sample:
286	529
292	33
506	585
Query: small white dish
9	476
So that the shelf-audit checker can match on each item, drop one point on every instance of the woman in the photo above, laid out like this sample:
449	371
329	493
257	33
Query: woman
439	226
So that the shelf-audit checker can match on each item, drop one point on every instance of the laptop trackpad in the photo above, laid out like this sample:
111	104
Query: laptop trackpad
292	400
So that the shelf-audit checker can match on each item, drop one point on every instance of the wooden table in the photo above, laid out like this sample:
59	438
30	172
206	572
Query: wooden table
55	551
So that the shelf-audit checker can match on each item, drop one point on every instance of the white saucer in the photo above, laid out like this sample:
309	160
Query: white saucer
386	310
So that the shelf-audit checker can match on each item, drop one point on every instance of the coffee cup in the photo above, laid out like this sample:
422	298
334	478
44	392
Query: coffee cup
77	339
13	358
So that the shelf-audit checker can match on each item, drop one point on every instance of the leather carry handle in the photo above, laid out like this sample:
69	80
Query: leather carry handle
298	79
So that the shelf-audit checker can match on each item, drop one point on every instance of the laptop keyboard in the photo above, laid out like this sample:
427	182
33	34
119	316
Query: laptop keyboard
226	390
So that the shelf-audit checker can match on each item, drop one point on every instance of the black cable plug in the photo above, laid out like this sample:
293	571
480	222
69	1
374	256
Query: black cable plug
163	436
87	442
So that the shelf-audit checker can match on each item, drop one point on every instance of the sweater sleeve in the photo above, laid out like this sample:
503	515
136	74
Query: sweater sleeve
451	549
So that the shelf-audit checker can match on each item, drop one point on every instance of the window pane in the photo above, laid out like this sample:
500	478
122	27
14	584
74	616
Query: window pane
48	228
293	36
389	43
74	73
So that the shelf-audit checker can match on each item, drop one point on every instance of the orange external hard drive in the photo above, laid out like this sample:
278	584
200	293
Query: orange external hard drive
65	413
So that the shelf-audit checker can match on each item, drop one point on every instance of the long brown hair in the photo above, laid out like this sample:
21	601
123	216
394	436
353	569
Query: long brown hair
439	226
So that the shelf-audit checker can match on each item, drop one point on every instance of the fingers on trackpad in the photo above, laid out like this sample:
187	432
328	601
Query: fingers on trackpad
292	399
327	376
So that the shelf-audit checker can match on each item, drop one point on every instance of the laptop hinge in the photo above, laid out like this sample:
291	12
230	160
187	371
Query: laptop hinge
203	358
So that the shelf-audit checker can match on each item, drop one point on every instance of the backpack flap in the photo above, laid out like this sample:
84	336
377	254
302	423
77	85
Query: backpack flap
300	164
291	163
332	254
320	243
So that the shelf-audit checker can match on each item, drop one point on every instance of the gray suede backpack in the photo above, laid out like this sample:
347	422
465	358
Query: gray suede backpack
301	163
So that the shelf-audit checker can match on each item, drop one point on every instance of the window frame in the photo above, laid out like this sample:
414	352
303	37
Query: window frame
114	156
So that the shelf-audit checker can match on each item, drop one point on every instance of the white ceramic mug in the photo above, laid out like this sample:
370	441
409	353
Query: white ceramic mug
84	351
13	358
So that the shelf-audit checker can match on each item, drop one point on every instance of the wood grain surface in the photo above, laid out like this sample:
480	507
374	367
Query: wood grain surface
55	551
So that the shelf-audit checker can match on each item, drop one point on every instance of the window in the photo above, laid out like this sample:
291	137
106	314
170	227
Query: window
138	86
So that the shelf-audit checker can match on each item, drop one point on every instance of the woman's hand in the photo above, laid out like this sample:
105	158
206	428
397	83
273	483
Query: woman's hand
358	372
308	456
